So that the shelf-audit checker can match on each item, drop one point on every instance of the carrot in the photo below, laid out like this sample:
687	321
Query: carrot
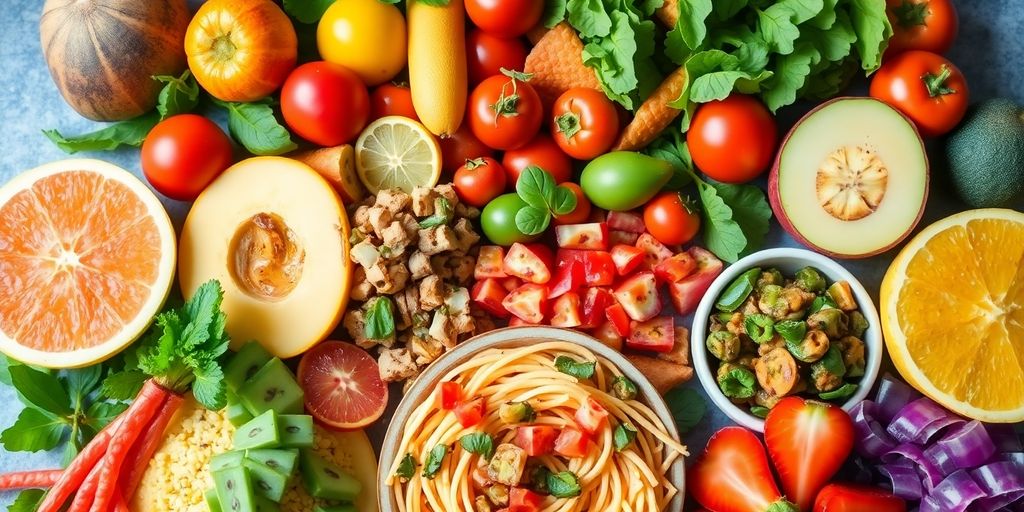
79	468
136	418
140	454
86	493
39	479
654	115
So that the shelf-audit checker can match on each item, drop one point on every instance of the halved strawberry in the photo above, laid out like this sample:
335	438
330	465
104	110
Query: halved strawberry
593	236
489	262
733	474
530	262
528	302
489	294
639	296
566	311
676	268
626	221
655	252
686	294
616	237
656	335
617	316
627	258
595	301
568	278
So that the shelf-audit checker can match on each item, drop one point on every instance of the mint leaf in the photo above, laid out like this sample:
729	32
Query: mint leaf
100	414
434	460
27	501
589	18
125	133
41	390
776	27
803	10
254	126
34	430
564	484
791	73
687	408
202	312
554	13
570	366
178	96
306	11
123	385
535	187
873	31
209	388
750	210
623	436
563	202
690	27
406	468
532	221
479	443
722	235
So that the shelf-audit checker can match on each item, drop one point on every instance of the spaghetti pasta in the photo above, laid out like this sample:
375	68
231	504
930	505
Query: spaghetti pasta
614	472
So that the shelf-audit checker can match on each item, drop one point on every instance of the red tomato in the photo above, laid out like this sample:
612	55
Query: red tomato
619	319
537	440
671	219
583	207
572	443
487	53
598	267
929	25
479	180
529	262
451	393
857	498
391	100
183	154
926	87
676	268
489	293
524	500
325	103
542	152
505	18
470	412
566	311
591	416
627	258
504	113
585	123
528	303
567	278
461	146
732	140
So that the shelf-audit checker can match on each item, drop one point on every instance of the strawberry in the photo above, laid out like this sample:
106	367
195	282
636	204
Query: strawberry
733	475
808	441
857	498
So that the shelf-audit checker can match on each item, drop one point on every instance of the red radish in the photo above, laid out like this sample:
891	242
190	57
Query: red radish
676	268
593	236
529	302
79	469
627	258
657	335
598	267
488	294
565	312
655	252
143	451
571	443
40	479
568	278
595	301
639	296
616	237
450	393
617	316
489	262
591	416
686	294
529	262
857	498
808	441
536	440
342	385
469	413
733	475
630	222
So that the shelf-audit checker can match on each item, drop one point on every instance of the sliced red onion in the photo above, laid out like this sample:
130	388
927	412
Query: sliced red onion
904	481
872	439
892	396
940	458
1005	437
1015	457
1001	477
954	494
968	446
919	420
997	503
930	474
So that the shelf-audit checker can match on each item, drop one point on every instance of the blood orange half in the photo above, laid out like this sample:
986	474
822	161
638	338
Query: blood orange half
86	259
343	386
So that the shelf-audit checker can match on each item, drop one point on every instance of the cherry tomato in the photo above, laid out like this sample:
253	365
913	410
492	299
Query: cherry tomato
391	100
505	18
582	212
325	103
584	123
183	154
542	152
671	219
461	146
487	53
732	140
929	25
504	112
926	87
479	180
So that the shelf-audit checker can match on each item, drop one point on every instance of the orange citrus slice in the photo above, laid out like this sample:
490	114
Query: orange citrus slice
952	307
86	259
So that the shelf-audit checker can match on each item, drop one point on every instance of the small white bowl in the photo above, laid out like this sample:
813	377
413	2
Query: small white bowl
788	261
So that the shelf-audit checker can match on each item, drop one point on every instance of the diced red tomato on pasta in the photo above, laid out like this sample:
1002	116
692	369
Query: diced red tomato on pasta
451	394
572	443
525	499
536	440
592	416
470	412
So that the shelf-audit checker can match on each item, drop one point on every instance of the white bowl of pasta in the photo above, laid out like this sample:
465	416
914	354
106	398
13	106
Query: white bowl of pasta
498	420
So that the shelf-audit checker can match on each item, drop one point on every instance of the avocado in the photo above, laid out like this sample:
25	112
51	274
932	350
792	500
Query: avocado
986	154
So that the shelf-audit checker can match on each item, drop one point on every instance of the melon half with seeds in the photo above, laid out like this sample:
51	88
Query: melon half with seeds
851	178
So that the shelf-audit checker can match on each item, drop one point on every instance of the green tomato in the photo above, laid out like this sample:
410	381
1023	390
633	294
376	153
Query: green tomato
624	180
499	220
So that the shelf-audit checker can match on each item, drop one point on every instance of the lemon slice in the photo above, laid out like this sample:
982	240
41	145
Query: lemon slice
952	307
397	152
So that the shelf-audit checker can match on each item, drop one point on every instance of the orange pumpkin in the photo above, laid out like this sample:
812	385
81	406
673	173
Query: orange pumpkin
103	54
241	50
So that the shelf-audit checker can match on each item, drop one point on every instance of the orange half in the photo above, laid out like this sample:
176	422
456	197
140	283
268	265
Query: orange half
87	256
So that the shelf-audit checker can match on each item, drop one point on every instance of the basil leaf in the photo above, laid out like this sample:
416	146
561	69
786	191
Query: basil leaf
722	235
479	443
254	126
532	221
34	430
535	187
306	11
845	391
178	96
82	381
737	383
123	385
687	407
100	414
623	436
380	319
570	366
759	411
41	390
434	460
406	468
125	133
750	210
442	215
563	484
791	330
27	501
563	202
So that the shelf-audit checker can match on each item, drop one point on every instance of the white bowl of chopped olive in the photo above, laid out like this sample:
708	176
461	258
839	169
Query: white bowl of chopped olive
785	322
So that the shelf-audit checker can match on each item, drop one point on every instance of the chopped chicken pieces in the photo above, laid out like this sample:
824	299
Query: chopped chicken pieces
396	364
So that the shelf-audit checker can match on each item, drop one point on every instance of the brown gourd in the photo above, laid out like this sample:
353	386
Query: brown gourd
102	54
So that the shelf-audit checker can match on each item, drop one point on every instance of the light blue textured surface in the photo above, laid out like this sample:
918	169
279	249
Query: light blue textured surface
990	51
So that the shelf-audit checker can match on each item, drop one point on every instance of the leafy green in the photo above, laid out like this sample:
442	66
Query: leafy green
27	501
178	96
537	188
41	390
563	484
406	468
690	27
380	319
306	11
434	460
623	436
442	215
739	382
34	430
256	128
479	443
554	13
759	411
570	366
687	407
125	133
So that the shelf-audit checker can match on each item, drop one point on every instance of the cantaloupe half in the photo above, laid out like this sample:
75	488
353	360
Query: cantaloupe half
275	234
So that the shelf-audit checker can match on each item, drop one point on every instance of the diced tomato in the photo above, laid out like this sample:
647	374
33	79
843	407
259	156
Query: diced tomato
593	236
591	416
489	294
480	479
451	393
525	499
529	262
489	262
568	278
566	311
619	318
595	301
655	252
607	334
598	267
622	238
686	294
627	221
515	321
597	215
511	283
676	268
528	302
537	440
469	412
656	335
639	296
627	258
571	443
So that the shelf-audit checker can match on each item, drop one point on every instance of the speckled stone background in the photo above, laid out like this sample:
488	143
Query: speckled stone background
989	50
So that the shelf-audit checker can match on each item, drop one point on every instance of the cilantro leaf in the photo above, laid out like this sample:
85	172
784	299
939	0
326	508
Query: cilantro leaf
873	31
580	370
254	126
776	27
34	430
41	390
722	235
750	210
27	501
125	133
306	11
178	95
687	407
